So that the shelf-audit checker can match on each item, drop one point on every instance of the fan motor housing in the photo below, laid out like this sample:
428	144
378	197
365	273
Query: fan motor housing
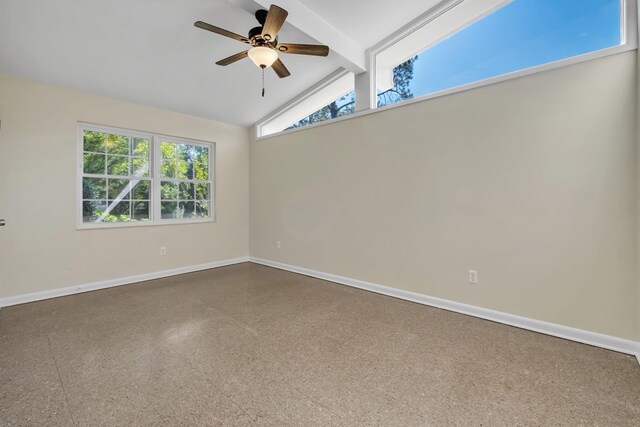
255	35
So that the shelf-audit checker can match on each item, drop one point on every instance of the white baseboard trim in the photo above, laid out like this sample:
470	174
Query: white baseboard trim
54	293
586	337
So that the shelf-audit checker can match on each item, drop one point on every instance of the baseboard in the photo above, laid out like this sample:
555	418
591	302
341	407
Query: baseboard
37	296
586	337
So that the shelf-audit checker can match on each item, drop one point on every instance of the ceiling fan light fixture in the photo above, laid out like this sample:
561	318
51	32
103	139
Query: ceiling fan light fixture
262	56
263	41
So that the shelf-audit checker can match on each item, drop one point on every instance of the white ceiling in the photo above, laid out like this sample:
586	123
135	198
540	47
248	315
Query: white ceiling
369	21
149	52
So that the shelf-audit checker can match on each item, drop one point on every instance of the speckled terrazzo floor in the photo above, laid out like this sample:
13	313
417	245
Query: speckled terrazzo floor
248	344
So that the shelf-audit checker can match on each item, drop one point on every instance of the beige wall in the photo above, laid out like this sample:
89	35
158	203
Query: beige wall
532	182
40	248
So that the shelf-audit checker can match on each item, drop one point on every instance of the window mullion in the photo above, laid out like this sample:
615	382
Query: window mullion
156	187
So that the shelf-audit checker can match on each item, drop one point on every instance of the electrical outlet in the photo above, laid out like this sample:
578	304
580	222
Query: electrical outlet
163	250
473	276
278	245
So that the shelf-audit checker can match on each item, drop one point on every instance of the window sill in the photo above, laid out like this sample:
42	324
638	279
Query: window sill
110	225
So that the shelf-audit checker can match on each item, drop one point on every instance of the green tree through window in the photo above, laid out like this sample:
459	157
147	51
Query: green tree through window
118	178
344	105
184	191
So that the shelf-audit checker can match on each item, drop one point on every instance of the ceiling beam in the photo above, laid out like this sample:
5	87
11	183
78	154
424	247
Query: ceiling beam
343	50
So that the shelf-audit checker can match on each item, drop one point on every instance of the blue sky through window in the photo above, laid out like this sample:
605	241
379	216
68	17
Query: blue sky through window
520	35
523	34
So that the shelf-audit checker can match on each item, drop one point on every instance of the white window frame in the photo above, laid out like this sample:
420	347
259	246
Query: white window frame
332	87
628	42
155	159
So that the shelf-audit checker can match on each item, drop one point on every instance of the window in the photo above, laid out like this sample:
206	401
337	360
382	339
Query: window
340	107
331	98
185	185
463	44
130	178
519	35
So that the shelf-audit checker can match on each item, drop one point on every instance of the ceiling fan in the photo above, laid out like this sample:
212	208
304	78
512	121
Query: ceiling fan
264	42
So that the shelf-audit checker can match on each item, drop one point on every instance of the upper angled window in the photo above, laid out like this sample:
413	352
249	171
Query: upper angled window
340	107
518	35
129	178
330	99
460	44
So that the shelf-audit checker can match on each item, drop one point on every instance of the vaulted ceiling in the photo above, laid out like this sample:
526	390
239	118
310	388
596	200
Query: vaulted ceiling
149	52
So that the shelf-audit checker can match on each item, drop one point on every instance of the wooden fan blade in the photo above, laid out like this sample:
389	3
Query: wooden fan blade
304	49
232	58
221	31
280	69
275	19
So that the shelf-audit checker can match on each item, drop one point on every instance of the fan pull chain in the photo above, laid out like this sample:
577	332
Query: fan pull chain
262	81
